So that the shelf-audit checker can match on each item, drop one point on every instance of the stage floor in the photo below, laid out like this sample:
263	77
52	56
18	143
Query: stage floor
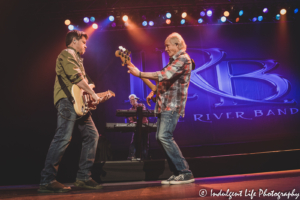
246	186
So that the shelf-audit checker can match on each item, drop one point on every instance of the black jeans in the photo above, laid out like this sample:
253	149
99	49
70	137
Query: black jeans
65	124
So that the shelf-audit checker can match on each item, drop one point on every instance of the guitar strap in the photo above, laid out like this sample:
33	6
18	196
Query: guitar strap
65	89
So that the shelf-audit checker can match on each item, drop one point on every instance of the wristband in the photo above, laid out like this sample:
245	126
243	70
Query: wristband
140	74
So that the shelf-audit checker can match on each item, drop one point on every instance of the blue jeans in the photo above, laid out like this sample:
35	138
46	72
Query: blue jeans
65	124
166	124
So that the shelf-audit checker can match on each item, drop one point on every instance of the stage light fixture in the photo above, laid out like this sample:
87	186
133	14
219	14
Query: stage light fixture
241	12
202	13
254	19
223	19
296	10
92	19
209	13
71	27
283	11
168	15
200	20
113	24
265	10
125	18
237	19
183	15
182	21
95	26
67	22
86	20
226	14
111	18
168	21
278	16
260	18
151	23
144	23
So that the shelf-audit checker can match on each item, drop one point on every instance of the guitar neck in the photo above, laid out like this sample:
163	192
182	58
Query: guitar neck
102	94
147	82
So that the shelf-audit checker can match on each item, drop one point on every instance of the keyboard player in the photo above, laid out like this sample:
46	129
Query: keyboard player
144	136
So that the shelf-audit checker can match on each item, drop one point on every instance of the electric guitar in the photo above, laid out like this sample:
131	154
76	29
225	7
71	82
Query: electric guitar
84	102
124	55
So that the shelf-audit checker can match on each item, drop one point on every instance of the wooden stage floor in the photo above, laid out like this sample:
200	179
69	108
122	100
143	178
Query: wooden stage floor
266	185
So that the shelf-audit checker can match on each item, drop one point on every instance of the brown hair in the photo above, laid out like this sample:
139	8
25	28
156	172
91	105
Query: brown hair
77	34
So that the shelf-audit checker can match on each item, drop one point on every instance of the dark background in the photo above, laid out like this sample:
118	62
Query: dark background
28	54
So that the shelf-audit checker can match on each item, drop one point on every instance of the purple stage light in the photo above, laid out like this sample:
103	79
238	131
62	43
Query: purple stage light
202	13
151	23
113	24
209	13
265	10
86	20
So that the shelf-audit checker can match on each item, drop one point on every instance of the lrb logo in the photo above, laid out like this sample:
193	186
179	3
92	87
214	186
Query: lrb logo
225	76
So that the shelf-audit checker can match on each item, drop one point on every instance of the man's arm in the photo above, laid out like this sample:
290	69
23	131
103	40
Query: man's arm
83	85
136	72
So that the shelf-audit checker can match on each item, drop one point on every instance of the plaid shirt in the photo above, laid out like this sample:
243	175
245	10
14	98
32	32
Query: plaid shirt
174	80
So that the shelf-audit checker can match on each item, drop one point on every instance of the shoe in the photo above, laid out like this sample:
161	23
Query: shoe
183	179
53	187
167	182
132	158
90	184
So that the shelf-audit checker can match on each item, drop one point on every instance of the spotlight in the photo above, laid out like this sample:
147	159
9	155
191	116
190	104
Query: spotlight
126	24
144	23
278	17
241	12
168	21
151	23
113	24
283	11
260	18
200	20
86	20
296	10
237	19
168	15
125	18
226	14
265	10
92	19
111	18
223	19
183	15
182	21
209	13
67	22
202	13
95	26
71	27
254	19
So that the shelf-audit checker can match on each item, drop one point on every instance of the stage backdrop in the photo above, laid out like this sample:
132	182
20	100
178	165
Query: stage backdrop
245	86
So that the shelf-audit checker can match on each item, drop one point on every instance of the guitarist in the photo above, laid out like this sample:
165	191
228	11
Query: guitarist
70	70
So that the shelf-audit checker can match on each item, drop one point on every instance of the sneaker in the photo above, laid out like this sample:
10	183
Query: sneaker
167	182
183	179
90	184
53	187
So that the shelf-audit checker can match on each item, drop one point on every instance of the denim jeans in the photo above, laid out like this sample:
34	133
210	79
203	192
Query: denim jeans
145	145
166	124
65	124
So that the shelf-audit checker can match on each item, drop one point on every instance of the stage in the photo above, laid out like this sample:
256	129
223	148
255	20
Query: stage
243	186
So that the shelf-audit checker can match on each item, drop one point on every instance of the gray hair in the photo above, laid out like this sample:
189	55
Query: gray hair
133	96
176	38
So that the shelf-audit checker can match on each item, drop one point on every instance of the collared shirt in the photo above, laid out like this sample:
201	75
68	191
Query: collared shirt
134	107
70	67
174	80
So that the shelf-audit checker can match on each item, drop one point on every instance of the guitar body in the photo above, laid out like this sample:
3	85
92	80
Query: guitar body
84	102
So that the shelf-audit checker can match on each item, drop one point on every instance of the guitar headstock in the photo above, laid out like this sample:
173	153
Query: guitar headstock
124	55
112	93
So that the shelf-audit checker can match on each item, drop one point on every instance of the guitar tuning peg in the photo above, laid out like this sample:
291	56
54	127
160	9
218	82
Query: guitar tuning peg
129	52
126	51
120	47
123	49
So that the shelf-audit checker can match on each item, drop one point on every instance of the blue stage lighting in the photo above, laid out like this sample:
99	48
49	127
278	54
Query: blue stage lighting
168	15
71	27
86	20
151	23
144	23
241	12
200	20
260	18
296	10
111	18
92	19
254	19
209	13
278	16
202	13
223	19
182	21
